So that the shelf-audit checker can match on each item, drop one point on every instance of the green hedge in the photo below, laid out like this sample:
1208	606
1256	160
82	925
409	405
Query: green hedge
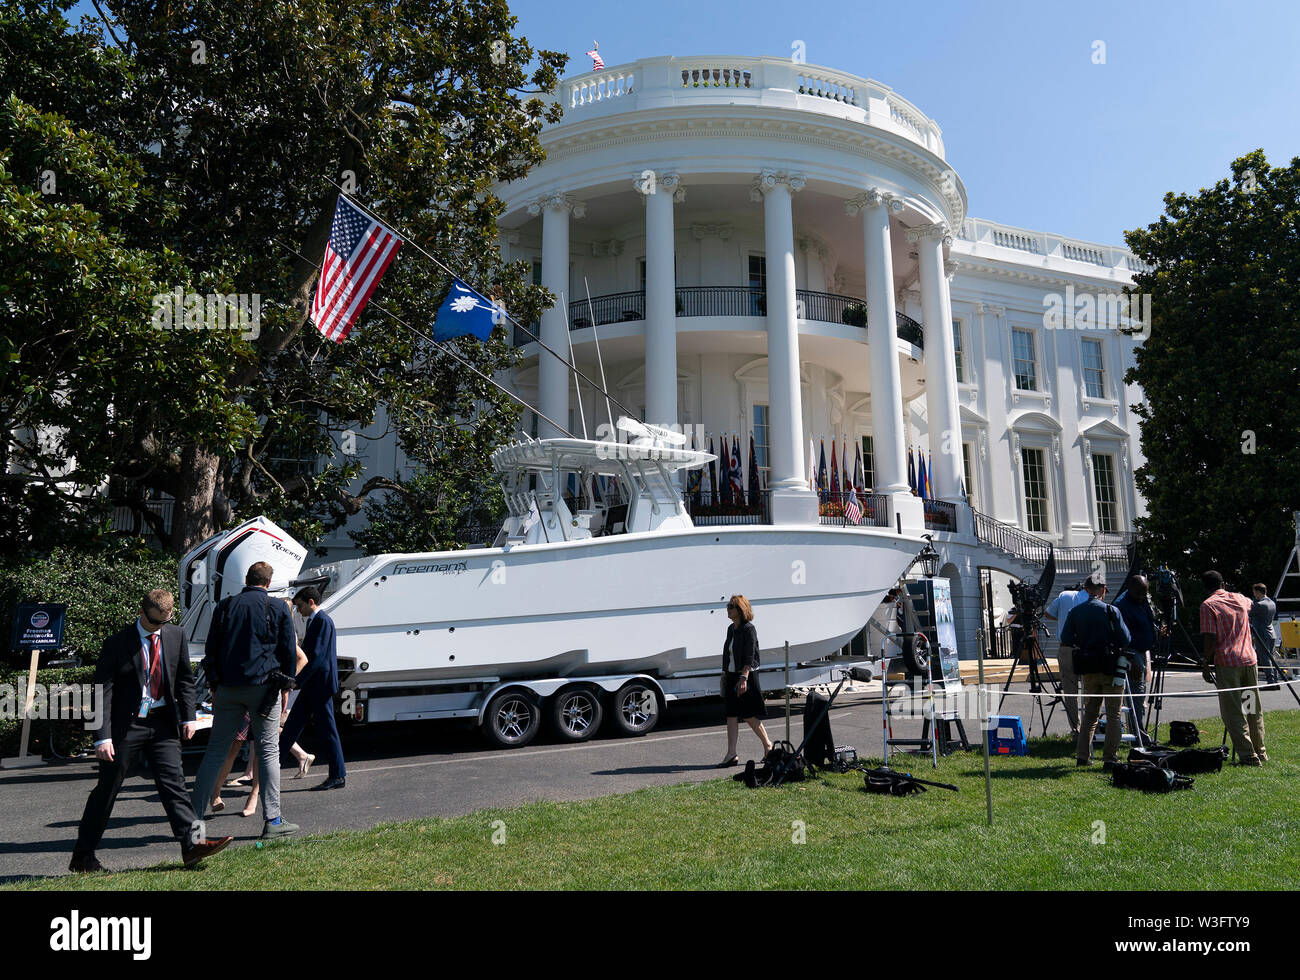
102	590
69	734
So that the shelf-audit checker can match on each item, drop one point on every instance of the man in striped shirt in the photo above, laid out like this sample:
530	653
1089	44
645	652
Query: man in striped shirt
1225	623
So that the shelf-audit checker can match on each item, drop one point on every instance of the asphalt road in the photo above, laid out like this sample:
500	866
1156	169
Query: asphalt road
426	769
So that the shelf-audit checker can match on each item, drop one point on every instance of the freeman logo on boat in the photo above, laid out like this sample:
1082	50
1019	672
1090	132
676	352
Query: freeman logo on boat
440	568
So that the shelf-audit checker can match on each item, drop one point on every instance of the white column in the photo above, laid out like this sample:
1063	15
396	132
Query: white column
941	404
792	501
552	373
660	192
882	332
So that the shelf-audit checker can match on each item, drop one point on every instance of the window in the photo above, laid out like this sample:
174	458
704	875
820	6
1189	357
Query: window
968	472
868	463
1035	473
1103	481
1023	362
761	442
757	285
957	352
1094	374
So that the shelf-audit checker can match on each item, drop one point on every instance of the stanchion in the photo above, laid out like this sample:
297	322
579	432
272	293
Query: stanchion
984	724
787	690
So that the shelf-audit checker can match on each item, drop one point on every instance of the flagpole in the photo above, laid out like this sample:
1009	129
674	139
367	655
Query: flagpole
577	391
541	343
442	347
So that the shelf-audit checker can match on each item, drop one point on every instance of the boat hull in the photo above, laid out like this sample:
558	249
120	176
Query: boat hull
644	603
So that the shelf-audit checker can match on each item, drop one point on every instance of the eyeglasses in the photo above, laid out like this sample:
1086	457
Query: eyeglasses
154	622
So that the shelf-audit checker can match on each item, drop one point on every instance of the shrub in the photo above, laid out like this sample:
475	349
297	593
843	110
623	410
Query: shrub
71	734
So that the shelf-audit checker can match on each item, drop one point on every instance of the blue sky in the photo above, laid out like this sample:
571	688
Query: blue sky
1043	137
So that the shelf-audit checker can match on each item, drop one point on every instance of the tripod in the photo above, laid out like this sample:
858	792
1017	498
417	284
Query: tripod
1034	649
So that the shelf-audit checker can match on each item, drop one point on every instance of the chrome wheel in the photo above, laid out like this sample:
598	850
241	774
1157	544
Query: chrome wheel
511	719
577	714
636	708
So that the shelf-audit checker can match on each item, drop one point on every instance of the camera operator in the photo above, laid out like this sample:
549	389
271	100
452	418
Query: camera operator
1134	604
250	658
1225	623
1058	609
1091	631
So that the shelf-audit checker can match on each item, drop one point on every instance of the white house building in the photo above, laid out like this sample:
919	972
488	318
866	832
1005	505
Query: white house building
716	225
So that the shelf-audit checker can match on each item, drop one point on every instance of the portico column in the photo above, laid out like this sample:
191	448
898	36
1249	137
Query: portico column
888	443
792	501
660	191
552	374
940	365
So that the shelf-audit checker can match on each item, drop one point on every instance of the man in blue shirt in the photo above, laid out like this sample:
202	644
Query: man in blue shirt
1088	632
1058	609
1134	605
317	685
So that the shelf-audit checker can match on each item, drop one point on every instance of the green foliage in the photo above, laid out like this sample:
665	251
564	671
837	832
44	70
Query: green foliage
102	588
1220	371
70	732
229	123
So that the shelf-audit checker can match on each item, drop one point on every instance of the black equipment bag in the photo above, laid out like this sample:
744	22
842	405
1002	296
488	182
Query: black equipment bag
887	781
1156	754
1190	762
1147	776
846	758
1183	733
781	765
818	746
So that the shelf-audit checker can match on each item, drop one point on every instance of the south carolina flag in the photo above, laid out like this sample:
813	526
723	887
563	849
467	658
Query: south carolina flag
466	312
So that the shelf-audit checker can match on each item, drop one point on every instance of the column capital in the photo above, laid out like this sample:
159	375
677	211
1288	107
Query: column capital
557	202
872	197
668	182
938	231
768	180
950	268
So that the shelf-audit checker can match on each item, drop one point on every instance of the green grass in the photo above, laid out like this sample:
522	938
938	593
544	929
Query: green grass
1236	830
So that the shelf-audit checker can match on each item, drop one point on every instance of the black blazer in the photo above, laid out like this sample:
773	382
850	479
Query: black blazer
120	674
744	648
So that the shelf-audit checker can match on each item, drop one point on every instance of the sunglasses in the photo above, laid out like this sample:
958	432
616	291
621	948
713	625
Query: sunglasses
732	605
154	622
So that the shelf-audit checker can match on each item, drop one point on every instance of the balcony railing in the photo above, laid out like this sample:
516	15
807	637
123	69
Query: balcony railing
729	301
711	509
833	509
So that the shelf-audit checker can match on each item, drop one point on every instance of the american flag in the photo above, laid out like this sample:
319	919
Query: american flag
597	62
852	512
358	252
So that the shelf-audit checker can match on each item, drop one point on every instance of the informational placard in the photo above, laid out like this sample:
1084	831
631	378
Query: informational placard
38	626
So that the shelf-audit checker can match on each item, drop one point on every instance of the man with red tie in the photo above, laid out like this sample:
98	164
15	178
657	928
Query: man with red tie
147	705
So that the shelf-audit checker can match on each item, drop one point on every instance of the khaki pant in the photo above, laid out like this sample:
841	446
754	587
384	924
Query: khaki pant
1241	711
1101	684
1069	686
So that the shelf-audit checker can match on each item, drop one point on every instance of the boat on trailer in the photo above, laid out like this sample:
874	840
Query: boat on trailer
600	595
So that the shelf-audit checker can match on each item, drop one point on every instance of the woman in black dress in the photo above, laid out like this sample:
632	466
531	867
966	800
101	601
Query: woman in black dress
740	687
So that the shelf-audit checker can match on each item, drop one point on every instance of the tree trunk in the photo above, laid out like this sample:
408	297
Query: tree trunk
194	516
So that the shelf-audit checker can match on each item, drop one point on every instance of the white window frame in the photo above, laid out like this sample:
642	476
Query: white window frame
1083	376
1036	351
1048	498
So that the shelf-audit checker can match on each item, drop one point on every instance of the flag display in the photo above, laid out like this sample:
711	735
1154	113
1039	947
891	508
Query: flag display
859	477
356	256
709	477
835	474
911	469
755	491
821	473
694	478
922	480
737	472
597	62
852	512
465	311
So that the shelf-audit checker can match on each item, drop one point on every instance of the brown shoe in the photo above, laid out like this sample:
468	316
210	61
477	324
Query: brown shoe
85	863
205	848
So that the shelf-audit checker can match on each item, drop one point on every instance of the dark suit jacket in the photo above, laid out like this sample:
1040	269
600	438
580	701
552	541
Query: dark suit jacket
121	675
251	635
321	675
744	648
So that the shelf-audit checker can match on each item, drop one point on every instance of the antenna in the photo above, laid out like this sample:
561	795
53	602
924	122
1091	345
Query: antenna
604	385
582	413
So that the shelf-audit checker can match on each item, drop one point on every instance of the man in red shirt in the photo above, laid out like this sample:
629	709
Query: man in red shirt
1225	622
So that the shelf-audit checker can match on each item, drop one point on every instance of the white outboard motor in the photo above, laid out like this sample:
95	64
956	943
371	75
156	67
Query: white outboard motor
216	569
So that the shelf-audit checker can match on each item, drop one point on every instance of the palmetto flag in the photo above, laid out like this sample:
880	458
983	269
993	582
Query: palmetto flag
465	311
356	256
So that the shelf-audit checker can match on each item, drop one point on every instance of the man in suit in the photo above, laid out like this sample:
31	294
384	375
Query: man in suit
317	685
147	705
250	639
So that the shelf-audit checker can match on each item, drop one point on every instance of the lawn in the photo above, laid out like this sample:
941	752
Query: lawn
1236	829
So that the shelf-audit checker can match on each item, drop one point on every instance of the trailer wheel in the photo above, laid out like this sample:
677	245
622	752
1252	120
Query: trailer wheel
577	713
636	708
511	719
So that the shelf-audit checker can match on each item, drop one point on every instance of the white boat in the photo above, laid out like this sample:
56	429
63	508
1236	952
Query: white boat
614	587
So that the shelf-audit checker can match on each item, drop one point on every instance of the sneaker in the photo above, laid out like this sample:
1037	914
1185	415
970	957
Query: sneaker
284	828
1262	755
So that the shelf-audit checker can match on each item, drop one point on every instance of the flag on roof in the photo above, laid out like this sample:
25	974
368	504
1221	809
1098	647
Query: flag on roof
357	254
465	311
597	62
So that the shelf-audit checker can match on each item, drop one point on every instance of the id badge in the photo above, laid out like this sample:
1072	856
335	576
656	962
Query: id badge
144	703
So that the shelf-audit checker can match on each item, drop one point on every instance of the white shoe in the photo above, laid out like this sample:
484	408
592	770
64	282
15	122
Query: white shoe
305	765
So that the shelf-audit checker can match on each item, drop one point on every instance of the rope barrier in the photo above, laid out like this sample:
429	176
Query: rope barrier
1163	694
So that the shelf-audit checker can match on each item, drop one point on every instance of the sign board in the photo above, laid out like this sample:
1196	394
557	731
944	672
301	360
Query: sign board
38	626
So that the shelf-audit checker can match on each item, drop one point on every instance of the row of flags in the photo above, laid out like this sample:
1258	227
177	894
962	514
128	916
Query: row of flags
723	480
